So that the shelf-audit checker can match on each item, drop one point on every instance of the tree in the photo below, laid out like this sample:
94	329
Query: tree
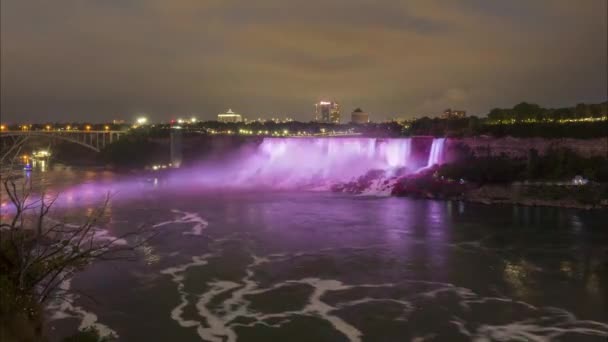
38	253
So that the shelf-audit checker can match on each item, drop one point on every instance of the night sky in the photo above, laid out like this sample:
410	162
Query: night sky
100	60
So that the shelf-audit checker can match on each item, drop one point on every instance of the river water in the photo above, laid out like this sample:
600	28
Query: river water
316	266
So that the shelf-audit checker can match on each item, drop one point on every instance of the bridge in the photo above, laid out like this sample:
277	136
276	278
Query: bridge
93	140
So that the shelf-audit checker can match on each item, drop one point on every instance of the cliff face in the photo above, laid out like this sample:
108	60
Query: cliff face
519	147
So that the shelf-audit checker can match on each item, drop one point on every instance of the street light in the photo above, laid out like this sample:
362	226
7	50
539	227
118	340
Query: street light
2	127
107	128
88	128
142	120
48	128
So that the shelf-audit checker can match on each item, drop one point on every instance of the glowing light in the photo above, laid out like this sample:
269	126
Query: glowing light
48	128
41	154
68	127
142	120
88	128
180	121
193	120
107	128
2	127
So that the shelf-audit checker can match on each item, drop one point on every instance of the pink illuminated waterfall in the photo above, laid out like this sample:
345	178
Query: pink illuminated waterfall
296	159
297	162
436	154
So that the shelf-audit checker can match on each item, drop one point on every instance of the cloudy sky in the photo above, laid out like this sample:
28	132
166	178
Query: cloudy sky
111	59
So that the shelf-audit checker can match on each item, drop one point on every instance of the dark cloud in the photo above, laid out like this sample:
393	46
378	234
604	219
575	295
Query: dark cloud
99	60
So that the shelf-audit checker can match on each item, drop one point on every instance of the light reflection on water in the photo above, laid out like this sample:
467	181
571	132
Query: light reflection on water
543	256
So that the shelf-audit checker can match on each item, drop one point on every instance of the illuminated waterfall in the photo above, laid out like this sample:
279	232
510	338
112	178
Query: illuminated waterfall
296	162
436	154
298	159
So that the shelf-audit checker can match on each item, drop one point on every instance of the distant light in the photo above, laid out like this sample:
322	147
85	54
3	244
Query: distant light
107	128
193	119
180	121
2	127
48	127
142	120
88	128
68	127
41	154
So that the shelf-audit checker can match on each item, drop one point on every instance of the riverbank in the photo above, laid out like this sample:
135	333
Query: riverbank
547	195
429	185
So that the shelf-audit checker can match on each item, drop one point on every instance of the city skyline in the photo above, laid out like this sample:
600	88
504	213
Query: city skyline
96	61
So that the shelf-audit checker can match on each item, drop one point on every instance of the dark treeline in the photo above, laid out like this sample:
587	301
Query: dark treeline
135	150
532	112
473	126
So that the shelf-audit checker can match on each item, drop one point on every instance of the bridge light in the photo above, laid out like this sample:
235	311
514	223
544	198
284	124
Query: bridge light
142	120
107	128
88	128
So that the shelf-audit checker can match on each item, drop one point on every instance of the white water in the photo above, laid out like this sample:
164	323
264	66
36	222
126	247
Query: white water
437	151
296	162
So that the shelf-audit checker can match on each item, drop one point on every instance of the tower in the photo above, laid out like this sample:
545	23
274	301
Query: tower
327	112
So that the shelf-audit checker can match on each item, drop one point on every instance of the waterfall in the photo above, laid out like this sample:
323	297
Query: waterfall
297	162
436	154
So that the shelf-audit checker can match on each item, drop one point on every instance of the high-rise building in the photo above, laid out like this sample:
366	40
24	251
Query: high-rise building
359	117
453	114
229	116
327	112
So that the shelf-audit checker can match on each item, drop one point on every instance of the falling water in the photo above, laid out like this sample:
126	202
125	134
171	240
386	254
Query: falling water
297	159
436	154
289	162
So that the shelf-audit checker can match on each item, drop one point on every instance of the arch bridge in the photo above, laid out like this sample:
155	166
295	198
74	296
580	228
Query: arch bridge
93	140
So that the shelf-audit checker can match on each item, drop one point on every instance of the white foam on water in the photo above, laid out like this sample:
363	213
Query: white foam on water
64	307
220	321
177	277
187	217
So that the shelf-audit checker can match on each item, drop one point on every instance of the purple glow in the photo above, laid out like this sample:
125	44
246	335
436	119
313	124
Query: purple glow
436	154
313	162
296	162
276	163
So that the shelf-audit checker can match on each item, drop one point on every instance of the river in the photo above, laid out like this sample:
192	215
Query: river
316	266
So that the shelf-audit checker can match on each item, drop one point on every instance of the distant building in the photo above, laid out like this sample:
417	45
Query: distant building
453	114
118	122
359	117
327	112
229	116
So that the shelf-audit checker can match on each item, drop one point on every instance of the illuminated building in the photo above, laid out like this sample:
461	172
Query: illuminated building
229	116
359	117
327	112
453	114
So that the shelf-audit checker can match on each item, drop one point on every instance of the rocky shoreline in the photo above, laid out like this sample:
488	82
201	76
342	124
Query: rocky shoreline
427	185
